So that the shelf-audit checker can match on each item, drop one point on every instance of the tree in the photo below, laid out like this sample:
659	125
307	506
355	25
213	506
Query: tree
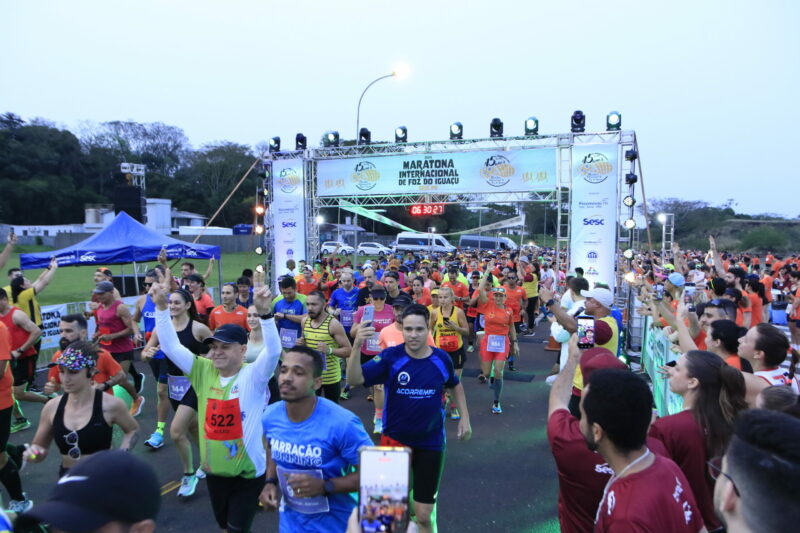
764	238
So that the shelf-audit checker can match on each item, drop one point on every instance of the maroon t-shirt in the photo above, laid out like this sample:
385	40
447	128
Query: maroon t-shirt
683	439
655	500
582	474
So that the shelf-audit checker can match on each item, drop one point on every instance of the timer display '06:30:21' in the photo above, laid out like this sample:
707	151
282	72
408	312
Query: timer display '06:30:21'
427	209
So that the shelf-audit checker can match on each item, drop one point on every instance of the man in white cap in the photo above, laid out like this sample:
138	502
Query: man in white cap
597	303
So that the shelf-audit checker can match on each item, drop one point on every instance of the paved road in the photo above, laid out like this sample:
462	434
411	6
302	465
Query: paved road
502	480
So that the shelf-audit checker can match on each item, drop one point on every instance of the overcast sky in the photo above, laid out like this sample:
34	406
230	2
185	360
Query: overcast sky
710	87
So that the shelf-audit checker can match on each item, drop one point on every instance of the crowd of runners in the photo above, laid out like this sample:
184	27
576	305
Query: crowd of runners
259	383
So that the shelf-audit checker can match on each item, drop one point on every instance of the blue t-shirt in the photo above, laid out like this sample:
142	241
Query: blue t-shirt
149	321
341	299
324	445
413	413
295	307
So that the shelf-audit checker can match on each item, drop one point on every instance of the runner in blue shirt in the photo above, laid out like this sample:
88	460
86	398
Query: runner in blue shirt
312	449
289	311
415	377
342	305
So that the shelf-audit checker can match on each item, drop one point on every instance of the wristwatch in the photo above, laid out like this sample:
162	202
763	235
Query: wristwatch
266	316
328	487
550	302
272	480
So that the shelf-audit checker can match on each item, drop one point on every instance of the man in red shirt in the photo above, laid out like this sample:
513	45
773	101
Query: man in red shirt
108	371
228	312
307	283
460	291
646	492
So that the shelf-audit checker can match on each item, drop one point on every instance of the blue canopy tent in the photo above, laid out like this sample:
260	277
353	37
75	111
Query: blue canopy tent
125	240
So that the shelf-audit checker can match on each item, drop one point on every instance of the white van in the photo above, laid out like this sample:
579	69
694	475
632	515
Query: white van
409	241
479	242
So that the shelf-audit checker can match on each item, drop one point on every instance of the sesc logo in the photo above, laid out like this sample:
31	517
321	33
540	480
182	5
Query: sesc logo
497	171
365	175
289	224
594	220
88	257
595	168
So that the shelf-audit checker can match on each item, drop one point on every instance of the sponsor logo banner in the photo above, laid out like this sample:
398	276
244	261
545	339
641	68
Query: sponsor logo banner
595	177
288	212
518	170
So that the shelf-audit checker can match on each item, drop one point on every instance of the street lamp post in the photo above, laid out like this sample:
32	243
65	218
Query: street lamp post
399	72
662	218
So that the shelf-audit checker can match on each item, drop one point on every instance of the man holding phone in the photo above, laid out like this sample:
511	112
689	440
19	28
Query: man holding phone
414	375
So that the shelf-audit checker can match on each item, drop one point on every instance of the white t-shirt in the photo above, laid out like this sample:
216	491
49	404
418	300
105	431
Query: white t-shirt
778	376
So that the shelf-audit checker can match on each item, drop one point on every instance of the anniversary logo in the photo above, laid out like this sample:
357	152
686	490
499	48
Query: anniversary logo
365	175
497	170
595	167
288	180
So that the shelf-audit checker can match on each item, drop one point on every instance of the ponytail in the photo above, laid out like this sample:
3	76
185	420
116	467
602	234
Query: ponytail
793	363
731	393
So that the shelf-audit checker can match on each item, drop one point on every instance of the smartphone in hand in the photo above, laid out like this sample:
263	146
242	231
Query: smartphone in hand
383	488
585	332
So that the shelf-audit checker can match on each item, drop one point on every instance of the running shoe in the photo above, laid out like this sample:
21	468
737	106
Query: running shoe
20	424
140	383
200	474
378	426
470	348
530	333
496	409
188	486
455	415
511	366
550	379
20	506
155	441
136	406
345	394
370	398
481	379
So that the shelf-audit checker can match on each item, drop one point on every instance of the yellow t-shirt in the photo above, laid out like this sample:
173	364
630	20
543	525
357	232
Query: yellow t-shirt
611	345
28	303
531	287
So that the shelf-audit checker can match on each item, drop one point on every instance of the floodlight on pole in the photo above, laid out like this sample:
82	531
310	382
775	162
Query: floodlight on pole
662	218
578	122
320	219
401	134
496	128
300	142
531	127
456	131
614	121
330	138
275	144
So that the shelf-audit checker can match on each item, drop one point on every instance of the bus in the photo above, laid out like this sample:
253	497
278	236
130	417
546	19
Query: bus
479	242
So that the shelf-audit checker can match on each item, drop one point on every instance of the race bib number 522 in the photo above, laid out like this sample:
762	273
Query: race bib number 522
223	419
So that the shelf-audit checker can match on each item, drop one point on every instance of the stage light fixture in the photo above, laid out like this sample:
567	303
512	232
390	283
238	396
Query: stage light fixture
259	250
631	178
330	138
614	121
531	126
260	210
578	122
456	131
629	224
628	254
630	277
259	268
496	128
275	144
259	229
631	155
401	134
364	136
629	201
300	142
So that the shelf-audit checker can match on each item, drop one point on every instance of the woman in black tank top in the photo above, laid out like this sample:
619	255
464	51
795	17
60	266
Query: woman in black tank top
191	333
81	421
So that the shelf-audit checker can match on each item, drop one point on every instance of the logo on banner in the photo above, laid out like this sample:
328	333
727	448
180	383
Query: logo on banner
88	257
592	271
365	175
289	224
595	168
288	180
289	252
594	220
592	256
497	171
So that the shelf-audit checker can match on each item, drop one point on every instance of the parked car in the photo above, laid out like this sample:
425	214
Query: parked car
328	247
373	248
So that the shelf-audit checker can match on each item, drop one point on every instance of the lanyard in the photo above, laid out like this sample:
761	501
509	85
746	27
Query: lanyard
616	477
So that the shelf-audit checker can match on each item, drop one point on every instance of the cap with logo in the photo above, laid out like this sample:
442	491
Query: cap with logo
108	486
102	287
228	333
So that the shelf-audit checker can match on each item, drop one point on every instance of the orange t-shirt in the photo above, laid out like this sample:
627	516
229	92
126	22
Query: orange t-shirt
304	287
497	321
459	291
393	336
106	368
756	309
6	382
220	316
768	281
516	299
700	340
425	299
734	361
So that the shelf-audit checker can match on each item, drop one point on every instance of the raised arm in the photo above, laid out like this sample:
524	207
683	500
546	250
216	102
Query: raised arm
9	247
566	320
168	338
562	386
209	269
264	365
44	278
355	376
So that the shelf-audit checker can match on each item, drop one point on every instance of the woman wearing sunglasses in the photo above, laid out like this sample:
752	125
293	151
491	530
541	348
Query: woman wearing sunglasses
82	420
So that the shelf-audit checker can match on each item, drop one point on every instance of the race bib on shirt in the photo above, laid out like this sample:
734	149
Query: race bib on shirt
288	337
496	343
178	387
372	344
223	419
448	343
346	317
316	504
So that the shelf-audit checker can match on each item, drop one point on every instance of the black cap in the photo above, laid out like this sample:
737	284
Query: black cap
402	300
103	286
378	291
196	278
109	486
229	333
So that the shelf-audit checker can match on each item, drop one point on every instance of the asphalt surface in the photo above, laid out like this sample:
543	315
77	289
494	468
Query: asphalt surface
502	480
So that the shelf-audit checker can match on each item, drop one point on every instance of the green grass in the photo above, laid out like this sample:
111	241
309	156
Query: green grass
75	284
